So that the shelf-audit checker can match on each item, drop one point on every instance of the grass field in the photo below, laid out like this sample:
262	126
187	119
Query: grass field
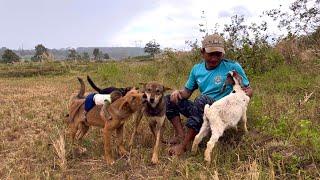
283	139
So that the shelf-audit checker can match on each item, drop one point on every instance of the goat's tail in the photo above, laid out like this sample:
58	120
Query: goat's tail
93	85
82	89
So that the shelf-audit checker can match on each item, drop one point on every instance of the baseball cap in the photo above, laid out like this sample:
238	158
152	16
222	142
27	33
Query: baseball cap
213	43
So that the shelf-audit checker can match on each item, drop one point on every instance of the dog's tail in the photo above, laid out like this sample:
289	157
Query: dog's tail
82	89
93	85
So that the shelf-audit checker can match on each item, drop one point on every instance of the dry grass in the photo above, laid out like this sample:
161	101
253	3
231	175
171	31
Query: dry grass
60	148
34	144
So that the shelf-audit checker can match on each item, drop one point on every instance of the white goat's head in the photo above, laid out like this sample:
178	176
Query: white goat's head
233	78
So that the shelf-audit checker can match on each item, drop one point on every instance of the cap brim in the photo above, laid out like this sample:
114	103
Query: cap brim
214	49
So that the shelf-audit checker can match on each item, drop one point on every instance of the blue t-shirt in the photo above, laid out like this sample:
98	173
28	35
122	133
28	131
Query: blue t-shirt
210	82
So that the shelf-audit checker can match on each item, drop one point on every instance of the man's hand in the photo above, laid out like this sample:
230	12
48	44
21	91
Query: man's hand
175	96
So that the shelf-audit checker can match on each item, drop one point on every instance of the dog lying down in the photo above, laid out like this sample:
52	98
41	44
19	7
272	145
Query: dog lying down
108	116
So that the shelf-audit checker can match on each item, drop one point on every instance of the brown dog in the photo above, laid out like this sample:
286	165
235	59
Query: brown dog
155	111
79	120
110	117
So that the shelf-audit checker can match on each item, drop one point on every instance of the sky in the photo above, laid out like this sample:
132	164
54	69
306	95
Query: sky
106	23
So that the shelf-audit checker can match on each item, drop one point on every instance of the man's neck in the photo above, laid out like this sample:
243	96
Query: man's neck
212	68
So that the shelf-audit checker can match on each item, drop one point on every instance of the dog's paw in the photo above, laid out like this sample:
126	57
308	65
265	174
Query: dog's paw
131	142
123	152
155	160
110	161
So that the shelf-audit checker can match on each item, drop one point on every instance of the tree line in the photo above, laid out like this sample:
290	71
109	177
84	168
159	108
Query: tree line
42	54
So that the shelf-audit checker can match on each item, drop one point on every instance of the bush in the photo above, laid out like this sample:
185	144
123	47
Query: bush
9	56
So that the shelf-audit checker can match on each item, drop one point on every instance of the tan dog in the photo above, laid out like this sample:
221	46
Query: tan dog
110	117
155	111
79	122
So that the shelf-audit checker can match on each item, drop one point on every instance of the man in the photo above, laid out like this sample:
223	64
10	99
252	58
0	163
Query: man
209	77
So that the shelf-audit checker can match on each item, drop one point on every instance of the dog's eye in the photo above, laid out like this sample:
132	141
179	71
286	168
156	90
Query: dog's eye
158	91
148	89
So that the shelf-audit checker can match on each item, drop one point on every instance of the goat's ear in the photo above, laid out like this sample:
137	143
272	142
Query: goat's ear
229	80
235	73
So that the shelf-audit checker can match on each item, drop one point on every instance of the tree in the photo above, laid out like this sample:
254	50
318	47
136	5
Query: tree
85	56
106	56
72	54
41	53
96	53
9	56
152	48
303	17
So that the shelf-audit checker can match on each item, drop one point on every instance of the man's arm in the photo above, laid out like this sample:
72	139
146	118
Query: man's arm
180	94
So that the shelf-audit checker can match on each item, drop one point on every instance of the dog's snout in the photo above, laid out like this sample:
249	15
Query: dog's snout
144	98
151	100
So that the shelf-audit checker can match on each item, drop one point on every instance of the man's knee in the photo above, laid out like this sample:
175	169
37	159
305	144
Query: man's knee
202	100
194	123
172	109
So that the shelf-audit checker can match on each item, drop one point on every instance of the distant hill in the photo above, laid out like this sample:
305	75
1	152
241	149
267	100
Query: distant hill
114	52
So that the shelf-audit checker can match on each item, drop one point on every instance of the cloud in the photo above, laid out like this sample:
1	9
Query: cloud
62	23
241	10
72	23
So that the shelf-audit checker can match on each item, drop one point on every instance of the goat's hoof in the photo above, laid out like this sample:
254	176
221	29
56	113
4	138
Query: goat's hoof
207	159
194	150
208	163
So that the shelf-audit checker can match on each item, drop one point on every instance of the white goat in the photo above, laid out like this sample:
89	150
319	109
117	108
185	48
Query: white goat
223	114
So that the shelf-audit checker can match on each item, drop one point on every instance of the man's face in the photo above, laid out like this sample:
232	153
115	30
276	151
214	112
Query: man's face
212	59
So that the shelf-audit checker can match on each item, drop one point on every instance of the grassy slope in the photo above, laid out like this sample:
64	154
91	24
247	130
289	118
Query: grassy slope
284	138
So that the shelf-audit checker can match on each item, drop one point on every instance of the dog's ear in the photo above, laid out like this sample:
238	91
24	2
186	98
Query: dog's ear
166	88
142	84
143	89
115	95
125	106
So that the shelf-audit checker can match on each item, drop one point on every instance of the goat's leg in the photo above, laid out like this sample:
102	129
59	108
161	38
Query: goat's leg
244	120
202	133
137	118
216	132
